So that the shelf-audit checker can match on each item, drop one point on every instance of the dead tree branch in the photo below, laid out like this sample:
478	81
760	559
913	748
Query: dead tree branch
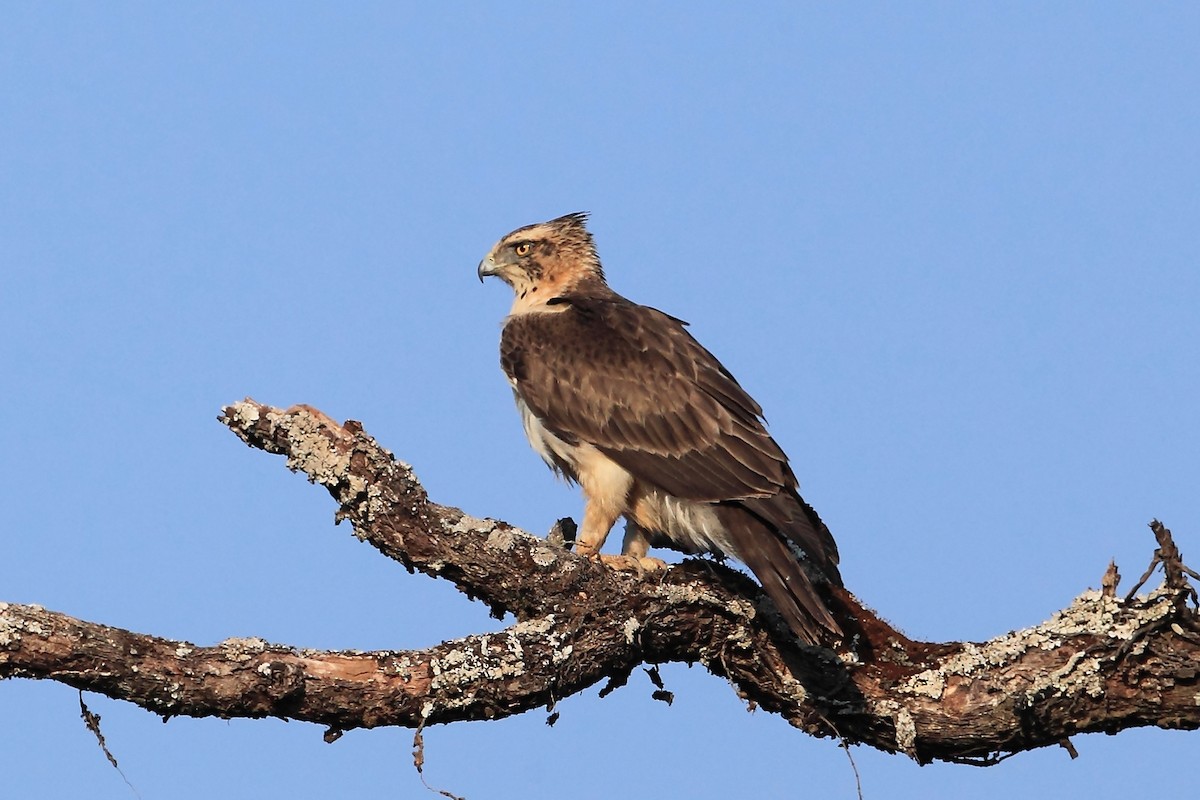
1102	664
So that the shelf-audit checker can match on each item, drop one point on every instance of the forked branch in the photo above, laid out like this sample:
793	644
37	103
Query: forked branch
1100	664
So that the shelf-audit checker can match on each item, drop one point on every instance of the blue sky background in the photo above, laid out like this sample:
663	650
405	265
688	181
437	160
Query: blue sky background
951	248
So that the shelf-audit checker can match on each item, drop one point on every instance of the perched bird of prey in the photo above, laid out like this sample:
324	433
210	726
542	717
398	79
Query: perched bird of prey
619	398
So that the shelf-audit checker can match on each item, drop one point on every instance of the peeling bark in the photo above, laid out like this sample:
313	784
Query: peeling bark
1102	664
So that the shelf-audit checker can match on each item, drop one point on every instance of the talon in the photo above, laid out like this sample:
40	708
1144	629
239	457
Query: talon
620	563
642	566
651	564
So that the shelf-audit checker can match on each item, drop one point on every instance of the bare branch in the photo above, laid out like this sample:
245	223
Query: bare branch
1102	664
480	677
1175	572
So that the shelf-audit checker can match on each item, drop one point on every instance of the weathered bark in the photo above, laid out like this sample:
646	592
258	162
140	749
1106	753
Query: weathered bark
1102	664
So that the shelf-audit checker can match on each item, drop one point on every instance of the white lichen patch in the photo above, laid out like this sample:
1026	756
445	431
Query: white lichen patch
686	593
239	649
496	657
401	668
10	632
468	524
930	683
535	628
448	663
1081	673
376	505
906	732
742	607
1090	613
543	556
356	484
561	654
245	413
312	450
11	629
630	629
500	539
315	456
971	660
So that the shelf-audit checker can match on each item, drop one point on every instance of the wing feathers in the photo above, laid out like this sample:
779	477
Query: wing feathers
798	523
632	382
781	575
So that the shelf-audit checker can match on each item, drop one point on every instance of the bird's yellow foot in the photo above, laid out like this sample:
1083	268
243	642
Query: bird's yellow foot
642	566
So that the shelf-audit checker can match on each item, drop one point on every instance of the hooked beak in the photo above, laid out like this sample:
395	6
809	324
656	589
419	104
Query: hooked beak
486	267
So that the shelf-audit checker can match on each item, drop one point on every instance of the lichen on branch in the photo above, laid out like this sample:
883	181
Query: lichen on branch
1101	664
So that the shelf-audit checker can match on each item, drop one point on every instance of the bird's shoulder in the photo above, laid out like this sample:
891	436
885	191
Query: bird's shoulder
630	380
604	331
622	357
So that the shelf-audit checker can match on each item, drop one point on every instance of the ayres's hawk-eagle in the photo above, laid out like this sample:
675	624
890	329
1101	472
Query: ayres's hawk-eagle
620	398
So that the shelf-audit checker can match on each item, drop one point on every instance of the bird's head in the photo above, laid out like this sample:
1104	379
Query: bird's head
546	260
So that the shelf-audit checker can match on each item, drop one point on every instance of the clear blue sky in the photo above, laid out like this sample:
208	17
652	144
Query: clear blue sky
953	249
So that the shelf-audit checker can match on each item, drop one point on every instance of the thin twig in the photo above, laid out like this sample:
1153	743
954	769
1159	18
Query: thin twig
92	722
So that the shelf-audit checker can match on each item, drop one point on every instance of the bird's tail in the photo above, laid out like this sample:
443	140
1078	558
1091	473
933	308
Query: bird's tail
787	547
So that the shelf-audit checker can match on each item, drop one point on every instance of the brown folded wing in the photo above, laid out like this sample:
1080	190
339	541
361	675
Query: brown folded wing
632	381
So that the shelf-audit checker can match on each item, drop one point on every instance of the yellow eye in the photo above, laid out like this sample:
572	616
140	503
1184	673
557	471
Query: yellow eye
523	249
